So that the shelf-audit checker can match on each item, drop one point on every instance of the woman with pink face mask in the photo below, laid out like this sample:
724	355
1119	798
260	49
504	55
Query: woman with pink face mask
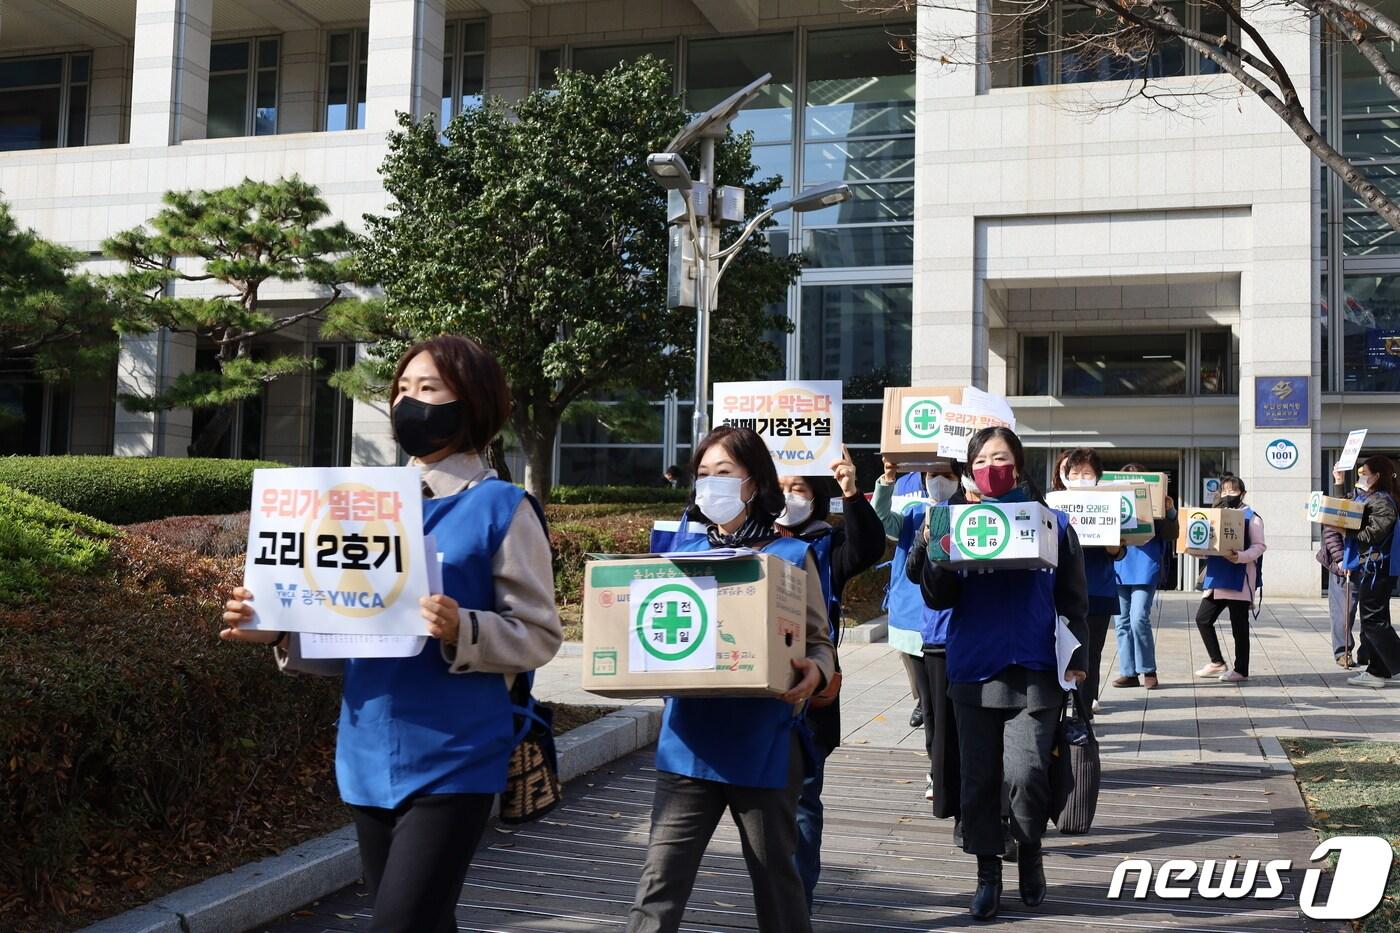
1003	677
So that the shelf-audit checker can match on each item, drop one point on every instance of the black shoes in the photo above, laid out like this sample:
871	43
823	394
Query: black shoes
1031	871
916	718
987	901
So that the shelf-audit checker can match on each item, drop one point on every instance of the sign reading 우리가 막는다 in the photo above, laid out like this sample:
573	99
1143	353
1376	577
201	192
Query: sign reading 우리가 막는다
337	549
799	421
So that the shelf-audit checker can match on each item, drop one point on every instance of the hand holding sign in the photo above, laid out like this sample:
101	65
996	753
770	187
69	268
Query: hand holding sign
237	612
440	611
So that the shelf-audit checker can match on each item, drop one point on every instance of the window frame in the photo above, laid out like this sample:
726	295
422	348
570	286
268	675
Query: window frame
454	64
1193	359
65	87
359	51
255	72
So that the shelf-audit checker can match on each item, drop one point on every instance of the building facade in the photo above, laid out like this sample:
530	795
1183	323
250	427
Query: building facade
1132	277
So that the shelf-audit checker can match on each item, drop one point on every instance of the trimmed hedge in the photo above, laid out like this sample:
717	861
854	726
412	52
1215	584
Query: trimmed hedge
123	490
617	495
38	538
141	752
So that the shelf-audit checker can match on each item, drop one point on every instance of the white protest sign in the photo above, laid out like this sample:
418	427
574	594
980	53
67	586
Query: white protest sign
337	550
799	421
1210	488
978	410
354	645
674	625
1352	450
1096	516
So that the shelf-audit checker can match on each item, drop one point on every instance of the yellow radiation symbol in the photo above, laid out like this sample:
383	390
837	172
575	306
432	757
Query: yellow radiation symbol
794	451
325	537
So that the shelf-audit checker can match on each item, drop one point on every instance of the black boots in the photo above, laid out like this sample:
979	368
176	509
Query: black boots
1031	869
987	901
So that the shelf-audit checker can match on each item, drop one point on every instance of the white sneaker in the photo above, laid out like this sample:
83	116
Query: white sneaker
1366	679
1212	670
1233	677
928	788
1094	706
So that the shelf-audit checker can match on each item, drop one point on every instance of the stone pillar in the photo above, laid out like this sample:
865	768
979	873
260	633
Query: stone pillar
405	61
949	327
1280	336
303	74
170	72
146	365
109	106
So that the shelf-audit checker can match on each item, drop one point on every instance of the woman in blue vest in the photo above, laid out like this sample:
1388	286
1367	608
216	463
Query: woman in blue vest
1230	583
842	551
424	741
744	755
1082	468
1003	677
1139	574
1371	557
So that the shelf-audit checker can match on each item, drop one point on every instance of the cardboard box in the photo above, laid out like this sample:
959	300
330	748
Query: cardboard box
1211	532
1156	486
1338	513
912	422
994	536
1134	511
692	626
1095	514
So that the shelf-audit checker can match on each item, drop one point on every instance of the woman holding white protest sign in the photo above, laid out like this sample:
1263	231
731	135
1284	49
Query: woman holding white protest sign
1004	674
745	755
1082	468
424	741
842	551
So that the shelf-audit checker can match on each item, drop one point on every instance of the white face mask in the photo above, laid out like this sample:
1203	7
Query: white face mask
1078	482
941	487
1365	482
719	498
796	512
970	485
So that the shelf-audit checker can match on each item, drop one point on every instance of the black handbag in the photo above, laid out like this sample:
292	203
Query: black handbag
1075	770
532	777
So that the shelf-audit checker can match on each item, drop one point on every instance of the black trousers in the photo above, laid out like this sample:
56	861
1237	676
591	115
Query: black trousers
416	857
941	735
1010	746
1210	610
1099	625
1373	609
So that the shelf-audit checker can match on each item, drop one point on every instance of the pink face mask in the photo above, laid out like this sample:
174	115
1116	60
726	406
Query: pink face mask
995	480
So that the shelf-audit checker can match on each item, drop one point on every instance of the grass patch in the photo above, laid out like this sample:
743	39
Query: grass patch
1353	789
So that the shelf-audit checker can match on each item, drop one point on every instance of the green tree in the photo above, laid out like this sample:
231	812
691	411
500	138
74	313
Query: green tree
63	320
537	231
222	248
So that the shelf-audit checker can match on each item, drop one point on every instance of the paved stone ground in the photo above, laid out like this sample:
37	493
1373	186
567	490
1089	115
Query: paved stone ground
1294	690
889	866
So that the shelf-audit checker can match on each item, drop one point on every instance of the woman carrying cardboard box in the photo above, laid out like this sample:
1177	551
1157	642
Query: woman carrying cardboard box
1082	468
1003	675
744	755
1371	560
1230	583
1139	575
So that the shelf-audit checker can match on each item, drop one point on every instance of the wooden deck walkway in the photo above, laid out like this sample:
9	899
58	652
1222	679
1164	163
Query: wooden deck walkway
889	866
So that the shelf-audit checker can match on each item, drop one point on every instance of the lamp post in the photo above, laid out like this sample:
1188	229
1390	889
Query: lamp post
699	203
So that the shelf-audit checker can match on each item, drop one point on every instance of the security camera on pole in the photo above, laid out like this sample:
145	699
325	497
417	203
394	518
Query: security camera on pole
695	208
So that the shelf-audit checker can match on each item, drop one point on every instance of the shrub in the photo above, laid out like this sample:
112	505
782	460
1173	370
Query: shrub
123	490
204	535
38	538
630	495
138	745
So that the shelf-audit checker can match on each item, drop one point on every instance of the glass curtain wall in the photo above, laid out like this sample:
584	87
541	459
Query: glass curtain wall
840	107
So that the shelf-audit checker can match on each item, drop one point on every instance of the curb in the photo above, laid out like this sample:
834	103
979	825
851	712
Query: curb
1275	755
266	890
867	633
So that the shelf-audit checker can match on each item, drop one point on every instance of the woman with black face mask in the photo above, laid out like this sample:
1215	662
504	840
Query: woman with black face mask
424	742
1003	676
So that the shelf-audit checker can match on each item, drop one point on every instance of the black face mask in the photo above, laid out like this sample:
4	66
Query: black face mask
1231	502
422	429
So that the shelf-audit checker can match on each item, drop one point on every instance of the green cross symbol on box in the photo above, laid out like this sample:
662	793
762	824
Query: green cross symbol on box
1199	532
981	532
1127	510
923	418
664	629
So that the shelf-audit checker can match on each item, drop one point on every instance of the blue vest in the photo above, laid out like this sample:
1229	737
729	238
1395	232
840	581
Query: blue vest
408	726
1004	617
1223	573
821	550
1389	552
745	741
904	599
910	484
1141	566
